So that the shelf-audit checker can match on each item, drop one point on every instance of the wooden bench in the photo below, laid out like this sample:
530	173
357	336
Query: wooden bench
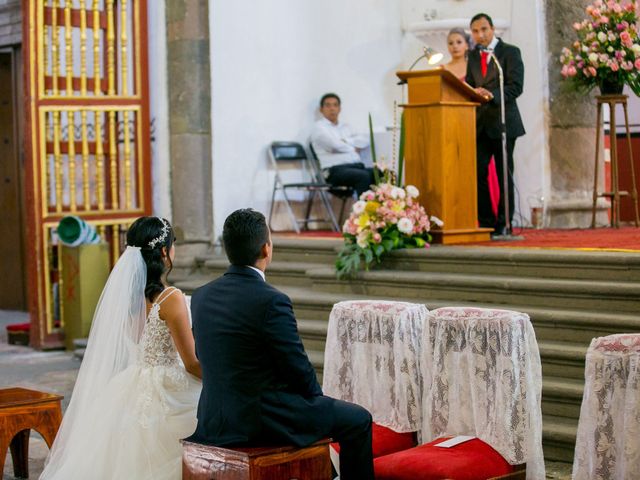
20	411
204	462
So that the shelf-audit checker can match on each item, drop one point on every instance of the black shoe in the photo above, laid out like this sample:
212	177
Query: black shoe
498	232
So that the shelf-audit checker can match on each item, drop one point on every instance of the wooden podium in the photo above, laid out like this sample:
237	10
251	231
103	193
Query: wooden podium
440	152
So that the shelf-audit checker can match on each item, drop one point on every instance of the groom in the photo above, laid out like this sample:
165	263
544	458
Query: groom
258	386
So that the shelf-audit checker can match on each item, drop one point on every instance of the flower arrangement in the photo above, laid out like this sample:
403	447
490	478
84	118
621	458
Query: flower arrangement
607	52
387	217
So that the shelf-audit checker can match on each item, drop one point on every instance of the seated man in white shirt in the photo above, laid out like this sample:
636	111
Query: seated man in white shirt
339	150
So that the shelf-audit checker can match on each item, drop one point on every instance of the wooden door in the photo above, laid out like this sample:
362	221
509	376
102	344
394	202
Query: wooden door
12	293
87	142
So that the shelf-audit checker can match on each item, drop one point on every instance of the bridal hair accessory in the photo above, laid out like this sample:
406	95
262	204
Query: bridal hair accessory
163	235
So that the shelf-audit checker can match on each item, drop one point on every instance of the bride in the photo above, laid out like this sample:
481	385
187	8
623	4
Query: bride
138	386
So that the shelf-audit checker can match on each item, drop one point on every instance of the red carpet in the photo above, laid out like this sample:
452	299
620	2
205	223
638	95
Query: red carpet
624	239
627	238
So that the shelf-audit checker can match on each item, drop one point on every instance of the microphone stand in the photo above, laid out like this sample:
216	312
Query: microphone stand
505	164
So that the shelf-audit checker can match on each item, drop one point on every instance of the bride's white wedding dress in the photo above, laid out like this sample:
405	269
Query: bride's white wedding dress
132	429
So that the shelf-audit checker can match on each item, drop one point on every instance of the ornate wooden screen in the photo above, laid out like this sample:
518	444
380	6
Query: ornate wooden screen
88	134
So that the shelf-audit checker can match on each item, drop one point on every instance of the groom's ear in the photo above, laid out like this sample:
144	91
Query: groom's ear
264	251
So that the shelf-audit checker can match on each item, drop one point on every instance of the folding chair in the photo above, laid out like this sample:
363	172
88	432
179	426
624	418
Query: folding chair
343	192
287	156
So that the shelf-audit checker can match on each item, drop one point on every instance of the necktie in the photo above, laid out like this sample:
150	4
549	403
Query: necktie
483	62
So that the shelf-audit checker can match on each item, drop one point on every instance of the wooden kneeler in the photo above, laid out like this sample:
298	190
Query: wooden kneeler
23	410
205	462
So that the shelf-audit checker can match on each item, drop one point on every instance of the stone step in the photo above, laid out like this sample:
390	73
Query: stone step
562	359
295	249
589	295
279	273
530	262
559	438
562	397
551	324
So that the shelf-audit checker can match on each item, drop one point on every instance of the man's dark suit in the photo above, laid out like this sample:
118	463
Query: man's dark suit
258	383
488	133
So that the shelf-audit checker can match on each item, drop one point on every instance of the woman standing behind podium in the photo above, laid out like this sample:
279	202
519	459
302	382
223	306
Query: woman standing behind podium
458	45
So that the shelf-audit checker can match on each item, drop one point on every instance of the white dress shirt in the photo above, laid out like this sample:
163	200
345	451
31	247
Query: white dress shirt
336	144
259	271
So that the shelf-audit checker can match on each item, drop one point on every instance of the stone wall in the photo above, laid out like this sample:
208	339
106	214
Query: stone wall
10	22
189	88
572	119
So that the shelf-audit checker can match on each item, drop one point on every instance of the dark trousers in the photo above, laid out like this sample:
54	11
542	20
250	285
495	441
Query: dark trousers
352	430
354	175
487	148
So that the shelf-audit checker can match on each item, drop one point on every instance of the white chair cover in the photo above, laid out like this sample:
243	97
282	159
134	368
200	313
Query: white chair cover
371	358
482	376
608	441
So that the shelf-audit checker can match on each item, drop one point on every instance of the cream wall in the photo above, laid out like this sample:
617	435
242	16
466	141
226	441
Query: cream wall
271	61
526	30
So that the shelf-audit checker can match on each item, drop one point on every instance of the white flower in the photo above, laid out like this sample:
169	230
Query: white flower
358	207
593	58
363	239
395	193
610	49
602	37
436	220
636	49
405	225
412	191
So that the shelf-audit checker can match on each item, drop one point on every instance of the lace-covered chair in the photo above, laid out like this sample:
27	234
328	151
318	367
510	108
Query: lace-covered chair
372	359
608	440
482	377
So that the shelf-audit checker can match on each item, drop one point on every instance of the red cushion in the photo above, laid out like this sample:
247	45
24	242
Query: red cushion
472	460
386	441
18	327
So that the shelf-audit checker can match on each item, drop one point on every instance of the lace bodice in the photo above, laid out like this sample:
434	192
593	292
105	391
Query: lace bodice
156	345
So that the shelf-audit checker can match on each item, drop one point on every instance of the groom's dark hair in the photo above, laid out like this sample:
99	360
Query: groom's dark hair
244	233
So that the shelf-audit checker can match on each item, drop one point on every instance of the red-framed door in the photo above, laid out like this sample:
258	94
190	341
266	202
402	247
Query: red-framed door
87	134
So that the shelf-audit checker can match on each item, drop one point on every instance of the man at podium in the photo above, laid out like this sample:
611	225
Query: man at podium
339	150
484	77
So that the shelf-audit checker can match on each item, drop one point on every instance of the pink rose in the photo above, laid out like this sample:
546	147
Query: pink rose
637	63
592	71
626	40
617	8
614	66
577	26
572	71
377	238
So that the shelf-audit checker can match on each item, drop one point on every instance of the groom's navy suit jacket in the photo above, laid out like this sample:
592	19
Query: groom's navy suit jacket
257	382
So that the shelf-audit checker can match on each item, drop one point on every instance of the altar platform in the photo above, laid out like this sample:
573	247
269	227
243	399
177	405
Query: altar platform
574	284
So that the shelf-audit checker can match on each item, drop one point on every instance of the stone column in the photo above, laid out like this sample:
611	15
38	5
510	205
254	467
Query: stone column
572	120
189	88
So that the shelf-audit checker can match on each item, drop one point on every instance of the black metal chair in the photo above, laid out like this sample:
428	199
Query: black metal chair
291	157
343	192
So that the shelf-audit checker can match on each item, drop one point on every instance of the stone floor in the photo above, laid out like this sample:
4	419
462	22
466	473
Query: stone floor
56	372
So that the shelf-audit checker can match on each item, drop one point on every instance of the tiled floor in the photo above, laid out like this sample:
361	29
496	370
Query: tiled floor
56	372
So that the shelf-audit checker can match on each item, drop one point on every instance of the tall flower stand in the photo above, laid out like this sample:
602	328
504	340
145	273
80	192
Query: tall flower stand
615	193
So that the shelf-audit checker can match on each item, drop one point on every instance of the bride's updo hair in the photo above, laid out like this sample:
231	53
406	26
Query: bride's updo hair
151	234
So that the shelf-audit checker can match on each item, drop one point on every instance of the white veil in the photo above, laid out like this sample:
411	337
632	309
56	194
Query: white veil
115	332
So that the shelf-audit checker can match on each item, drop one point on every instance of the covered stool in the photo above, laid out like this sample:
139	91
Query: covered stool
483	378
608	440
372	358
